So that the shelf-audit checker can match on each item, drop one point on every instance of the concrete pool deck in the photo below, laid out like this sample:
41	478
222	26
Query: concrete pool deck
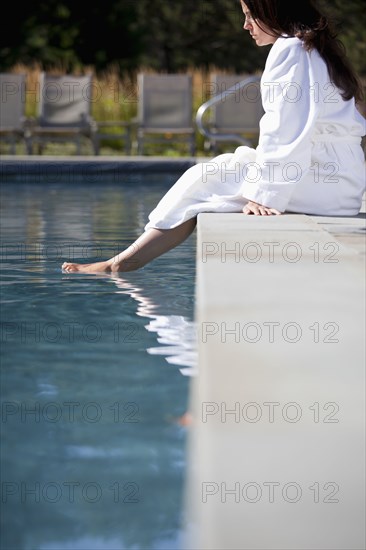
276	449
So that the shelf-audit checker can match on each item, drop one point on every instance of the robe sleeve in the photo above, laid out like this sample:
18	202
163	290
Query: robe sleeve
283	154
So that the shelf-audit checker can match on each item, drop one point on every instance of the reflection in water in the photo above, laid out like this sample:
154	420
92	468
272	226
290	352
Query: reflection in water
175	333
56	459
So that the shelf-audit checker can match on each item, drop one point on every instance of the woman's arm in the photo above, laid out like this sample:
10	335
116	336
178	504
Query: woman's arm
283	155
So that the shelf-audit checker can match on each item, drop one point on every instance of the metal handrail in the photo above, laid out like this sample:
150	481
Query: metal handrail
213	101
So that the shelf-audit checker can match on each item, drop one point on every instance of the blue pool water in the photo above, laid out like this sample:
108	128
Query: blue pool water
95	372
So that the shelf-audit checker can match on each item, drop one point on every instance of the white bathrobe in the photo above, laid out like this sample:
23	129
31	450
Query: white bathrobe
308	160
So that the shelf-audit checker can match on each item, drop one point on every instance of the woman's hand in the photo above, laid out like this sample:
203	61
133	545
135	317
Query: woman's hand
259	210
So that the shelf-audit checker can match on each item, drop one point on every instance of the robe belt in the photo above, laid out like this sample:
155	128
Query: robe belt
335	137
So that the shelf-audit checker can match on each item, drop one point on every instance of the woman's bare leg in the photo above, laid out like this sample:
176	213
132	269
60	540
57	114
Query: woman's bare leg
150	245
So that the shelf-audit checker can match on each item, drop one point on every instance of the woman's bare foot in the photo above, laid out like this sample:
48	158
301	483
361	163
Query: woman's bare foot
97	267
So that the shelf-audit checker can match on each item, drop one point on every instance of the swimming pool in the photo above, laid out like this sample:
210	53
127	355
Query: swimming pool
95	371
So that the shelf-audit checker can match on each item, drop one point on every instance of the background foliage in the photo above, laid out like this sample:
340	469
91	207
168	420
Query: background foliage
164	35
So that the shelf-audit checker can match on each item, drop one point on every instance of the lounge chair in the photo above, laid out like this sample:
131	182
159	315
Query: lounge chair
64	111
236	110
13	123
165	110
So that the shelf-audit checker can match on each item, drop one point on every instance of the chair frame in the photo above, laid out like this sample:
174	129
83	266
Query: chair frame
13	88
148	130
45	130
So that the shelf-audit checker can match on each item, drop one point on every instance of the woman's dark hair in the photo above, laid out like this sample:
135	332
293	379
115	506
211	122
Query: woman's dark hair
303	19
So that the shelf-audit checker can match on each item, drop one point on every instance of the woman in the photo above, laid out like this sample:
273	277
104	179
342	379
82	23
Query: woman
309	157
